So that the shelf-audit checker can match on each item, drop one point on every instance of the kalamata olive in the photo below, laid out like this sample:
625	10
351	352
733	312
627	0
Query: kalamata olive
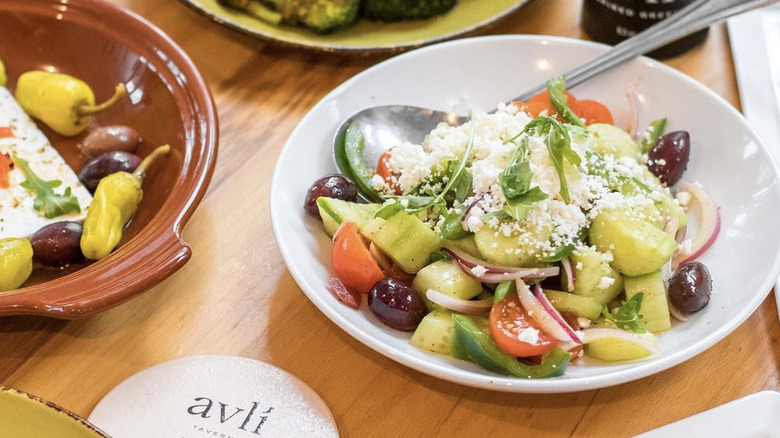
332	186
109	139
106	164
668	158
690	287
57	244
397	305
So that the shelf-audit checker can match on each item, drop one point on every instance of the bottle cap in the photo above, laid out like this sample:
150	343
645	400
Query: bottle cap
213	396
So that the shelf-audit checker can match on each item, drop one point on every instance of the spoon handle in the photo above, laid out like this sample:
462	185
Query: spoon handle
694	17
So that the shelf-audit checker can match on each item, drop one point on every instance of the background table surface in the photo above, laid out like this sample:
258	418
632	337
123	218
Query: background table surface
236	297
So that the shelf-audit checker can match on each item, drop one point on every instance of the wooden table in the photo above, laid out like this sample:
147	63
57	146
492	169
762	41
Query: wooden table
236	297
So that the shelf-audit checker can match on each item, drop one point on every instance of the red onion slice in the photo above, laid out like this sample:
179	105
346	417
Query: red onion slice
633	106
710	222
548	323
676	313
464	221
340	291
595	334
539	295
458	305
489	273
569	272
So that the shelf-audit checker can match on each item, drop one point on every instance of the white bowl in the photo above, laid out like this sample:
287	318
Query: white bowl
727	158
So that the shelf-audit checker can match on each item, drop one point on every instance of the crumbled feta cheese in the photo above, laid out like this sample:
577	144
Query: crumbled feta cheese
479	270
529	335
377	183
606	282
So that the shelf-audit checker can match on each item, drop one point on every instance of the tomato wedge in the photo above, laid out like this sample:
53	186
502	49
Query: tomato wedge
383	170
6	132
352	262
541	102
508	322
6	164
592	112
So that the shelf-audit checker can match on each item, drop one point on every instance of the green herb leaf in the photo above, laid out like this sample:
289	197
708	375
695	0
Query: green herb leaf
557	89
46	201
559	147
627	317
515	183
459	171
654	131
560	254
389	209
452	228
354	142
503	289
439	256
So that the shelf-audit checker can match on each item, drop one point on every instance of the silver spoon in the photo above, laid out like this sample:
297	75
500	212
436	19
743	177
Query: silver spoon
391	125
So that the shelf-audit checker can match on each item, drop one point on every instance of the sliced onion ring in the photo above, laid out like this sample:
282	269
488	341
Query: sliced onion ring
458	305
709	224
595	334
569	272
676	313
495	273
633	106
548	323
465	219
539	295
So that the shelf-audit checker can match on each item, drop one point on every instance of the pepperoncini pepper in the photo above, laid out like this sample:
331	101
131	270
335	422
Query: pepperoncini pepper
115	201
64	103
16	262
3	77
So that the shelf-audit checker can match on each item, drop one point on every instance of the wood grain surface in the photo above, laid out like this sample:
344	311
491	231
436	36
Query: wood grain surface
236	297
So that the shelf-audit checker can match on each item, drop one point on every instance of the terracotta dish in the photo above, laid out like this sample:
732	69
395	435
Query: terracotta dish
168	103
25	416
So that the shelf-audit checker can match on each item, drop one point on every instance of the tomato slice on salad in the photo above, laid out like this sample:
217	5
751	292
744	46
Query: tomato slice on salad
352	261
515	331
383	170
540	103
592	112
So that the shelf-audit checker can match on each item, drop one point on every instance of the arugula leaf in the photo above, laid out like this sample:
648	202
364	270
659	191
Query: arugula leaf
500	215
654	131
559	146
389	209
438	256
515	183
410	203
452	228
46	201
560	254
503	289
627	317
557	89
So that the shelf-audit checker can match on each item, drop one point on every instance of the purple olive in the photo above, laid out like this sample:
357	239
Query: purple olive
690	287
396	305
668	158
58	244
333	186
106	164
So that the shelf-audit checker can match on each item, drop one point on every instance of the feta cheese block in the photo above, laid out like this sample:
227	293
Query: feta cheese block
18	218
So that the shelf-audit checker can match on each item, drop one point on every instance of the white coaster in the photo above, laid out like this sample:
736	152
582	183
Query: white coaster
213	396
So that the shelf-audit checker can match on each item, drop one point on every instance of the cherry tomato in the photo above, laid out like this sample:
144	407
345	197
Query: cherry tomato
383	170
541	102
352	261
594	112
508	320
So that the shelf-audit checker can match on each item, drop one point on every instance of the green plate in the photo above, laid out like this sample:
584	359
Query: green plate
25	416
367	36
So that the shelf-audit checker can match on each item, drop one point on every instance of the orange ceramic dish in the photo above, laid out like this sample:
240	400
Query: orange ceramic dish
168	103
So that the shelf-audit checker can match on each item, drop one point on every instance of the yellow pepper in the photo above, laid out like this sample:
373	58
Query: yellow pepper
116	199
3	77
64	103
16	262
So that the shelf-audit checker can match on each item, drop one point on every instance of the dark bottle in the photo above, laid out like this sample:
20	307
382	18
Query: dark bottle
612	21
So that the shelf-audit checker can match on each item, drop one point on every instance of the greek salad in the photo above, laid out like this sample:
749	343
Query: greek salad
524	238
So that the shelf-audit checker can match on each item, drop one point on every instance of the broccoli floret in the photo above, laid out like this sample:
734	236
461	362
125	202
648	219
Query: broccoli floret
322	16
399	10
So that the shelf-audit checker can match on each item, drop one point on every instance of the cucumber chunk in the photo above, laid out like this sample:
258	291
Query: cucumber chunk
405	239
335	211
574	304
448	278
517	250
434	332
608	139
590	271
467	245
614	349
638	247
654	308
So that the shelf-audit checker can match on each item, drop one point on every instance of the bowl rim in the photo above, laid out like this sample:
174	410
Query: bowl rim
494	381
54	407
69	296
